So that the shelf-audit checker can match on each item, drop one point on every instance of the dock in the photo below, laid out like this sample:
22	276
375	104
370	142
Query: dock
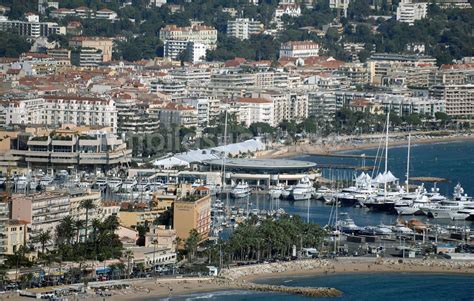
295	290
429	179
362	156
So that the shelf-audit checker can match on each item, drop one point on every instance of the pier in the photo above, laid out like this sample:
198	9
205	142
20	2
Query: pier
363	156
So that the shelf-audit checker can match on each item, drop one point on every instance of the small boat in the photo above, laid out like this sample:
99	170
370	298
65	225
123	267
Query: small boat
347	225
240	190
101	183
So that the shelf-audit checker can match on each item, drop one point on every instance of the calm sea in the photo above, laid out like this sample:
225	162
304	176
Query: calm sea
453	161
367	287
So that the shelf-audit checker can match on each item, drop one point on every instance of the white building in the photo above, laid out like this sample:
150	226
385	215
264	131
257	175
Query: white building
243	28
196	52
57	110
290	105
459	98
292	10
299	49
252	110
409	12
32	27
196	33
106	14
340	5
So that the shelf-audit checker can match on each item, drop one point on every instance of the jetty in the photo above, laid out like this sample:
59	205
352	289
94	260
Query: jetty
334	155
295	290
428	179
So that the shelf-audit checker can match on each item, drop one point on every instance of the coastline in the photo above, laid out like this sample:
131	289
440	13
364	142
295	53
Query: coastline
329	146
240	278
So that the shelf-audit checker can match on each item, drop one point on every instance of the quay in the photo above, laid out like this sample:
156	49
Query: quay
333	155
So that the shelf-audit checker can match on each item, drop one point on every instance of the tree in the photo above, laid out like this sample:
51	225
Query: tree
87	204
129	255
43	238
78	226
191	243
12	45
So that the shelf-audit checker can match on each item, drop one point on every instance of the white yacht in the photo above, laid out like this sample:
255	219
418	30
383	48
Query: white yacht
287	192
276	192
3	180
303	190
240	190
445	209
129	184
101	183
467	213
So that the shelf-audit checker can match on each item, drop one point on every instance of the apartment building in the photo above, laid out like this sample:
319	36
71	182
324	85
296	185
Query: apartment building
287	104
4	220
42	211
56	110
136	122
77	197
231	82
409	11
191	74
405	106
192	212
32	27
191	51
178	114
85	150
104	45
16	235
459	98
203	34
243	28
252	110
299	49
85	13
322	105
204	107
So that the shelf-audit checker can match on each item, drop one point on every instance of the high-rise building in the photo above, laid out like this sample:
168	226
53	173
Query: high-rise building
409	12
459	99
243	28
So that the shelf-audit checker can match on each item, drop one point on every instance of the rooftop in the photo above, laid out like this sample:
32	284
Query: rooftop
263	164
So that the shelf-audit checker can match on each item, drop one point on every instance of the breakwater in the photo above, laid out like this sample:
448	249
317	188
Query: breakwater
294	290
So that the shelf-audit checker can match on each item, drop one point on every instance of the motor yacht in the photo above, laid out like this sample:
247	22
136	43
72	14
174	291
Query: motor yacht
276	192
303	190
241	190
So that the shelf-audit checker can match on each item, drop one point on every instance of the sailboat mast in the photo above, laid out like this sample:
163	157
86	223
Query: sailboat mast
408	162
386	152
225	151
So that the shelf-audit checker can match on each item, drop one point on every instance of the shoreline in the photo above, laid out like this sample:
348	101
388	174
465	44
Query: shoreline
332	147
241	278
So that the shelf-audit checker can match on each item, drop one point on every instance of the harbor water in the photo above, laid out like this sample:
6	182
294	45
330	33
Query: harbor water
368	287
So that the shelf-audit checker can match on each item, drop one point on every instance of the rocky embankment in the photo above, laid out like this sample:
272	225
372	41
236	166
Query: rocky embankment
295	290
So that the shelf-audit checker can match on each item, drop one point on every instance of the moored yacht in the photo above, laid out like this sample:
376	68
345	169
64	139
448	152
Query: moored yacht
114	183
287	192
276	192
303	190
240	190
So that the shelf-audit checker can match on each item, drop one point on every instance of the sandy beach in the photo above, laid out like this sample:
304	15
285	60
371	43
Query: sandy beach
242	277
341	144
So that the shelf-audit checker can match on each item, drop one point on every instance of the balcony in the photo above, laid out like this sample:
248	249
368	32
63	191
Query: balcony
39	141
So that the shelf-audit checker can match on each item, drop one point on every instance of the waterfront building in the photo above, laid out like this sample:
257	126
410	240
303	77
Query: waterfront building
299	49
459	99
192	212
84	150
42	211
138	216
32	27
4	221
243	28
161	237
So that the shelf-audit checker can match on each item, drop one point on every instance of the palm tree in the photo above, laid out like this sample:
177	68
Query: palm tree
78	225
129	255
43	238
96	225
65	231
87	204
191	243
